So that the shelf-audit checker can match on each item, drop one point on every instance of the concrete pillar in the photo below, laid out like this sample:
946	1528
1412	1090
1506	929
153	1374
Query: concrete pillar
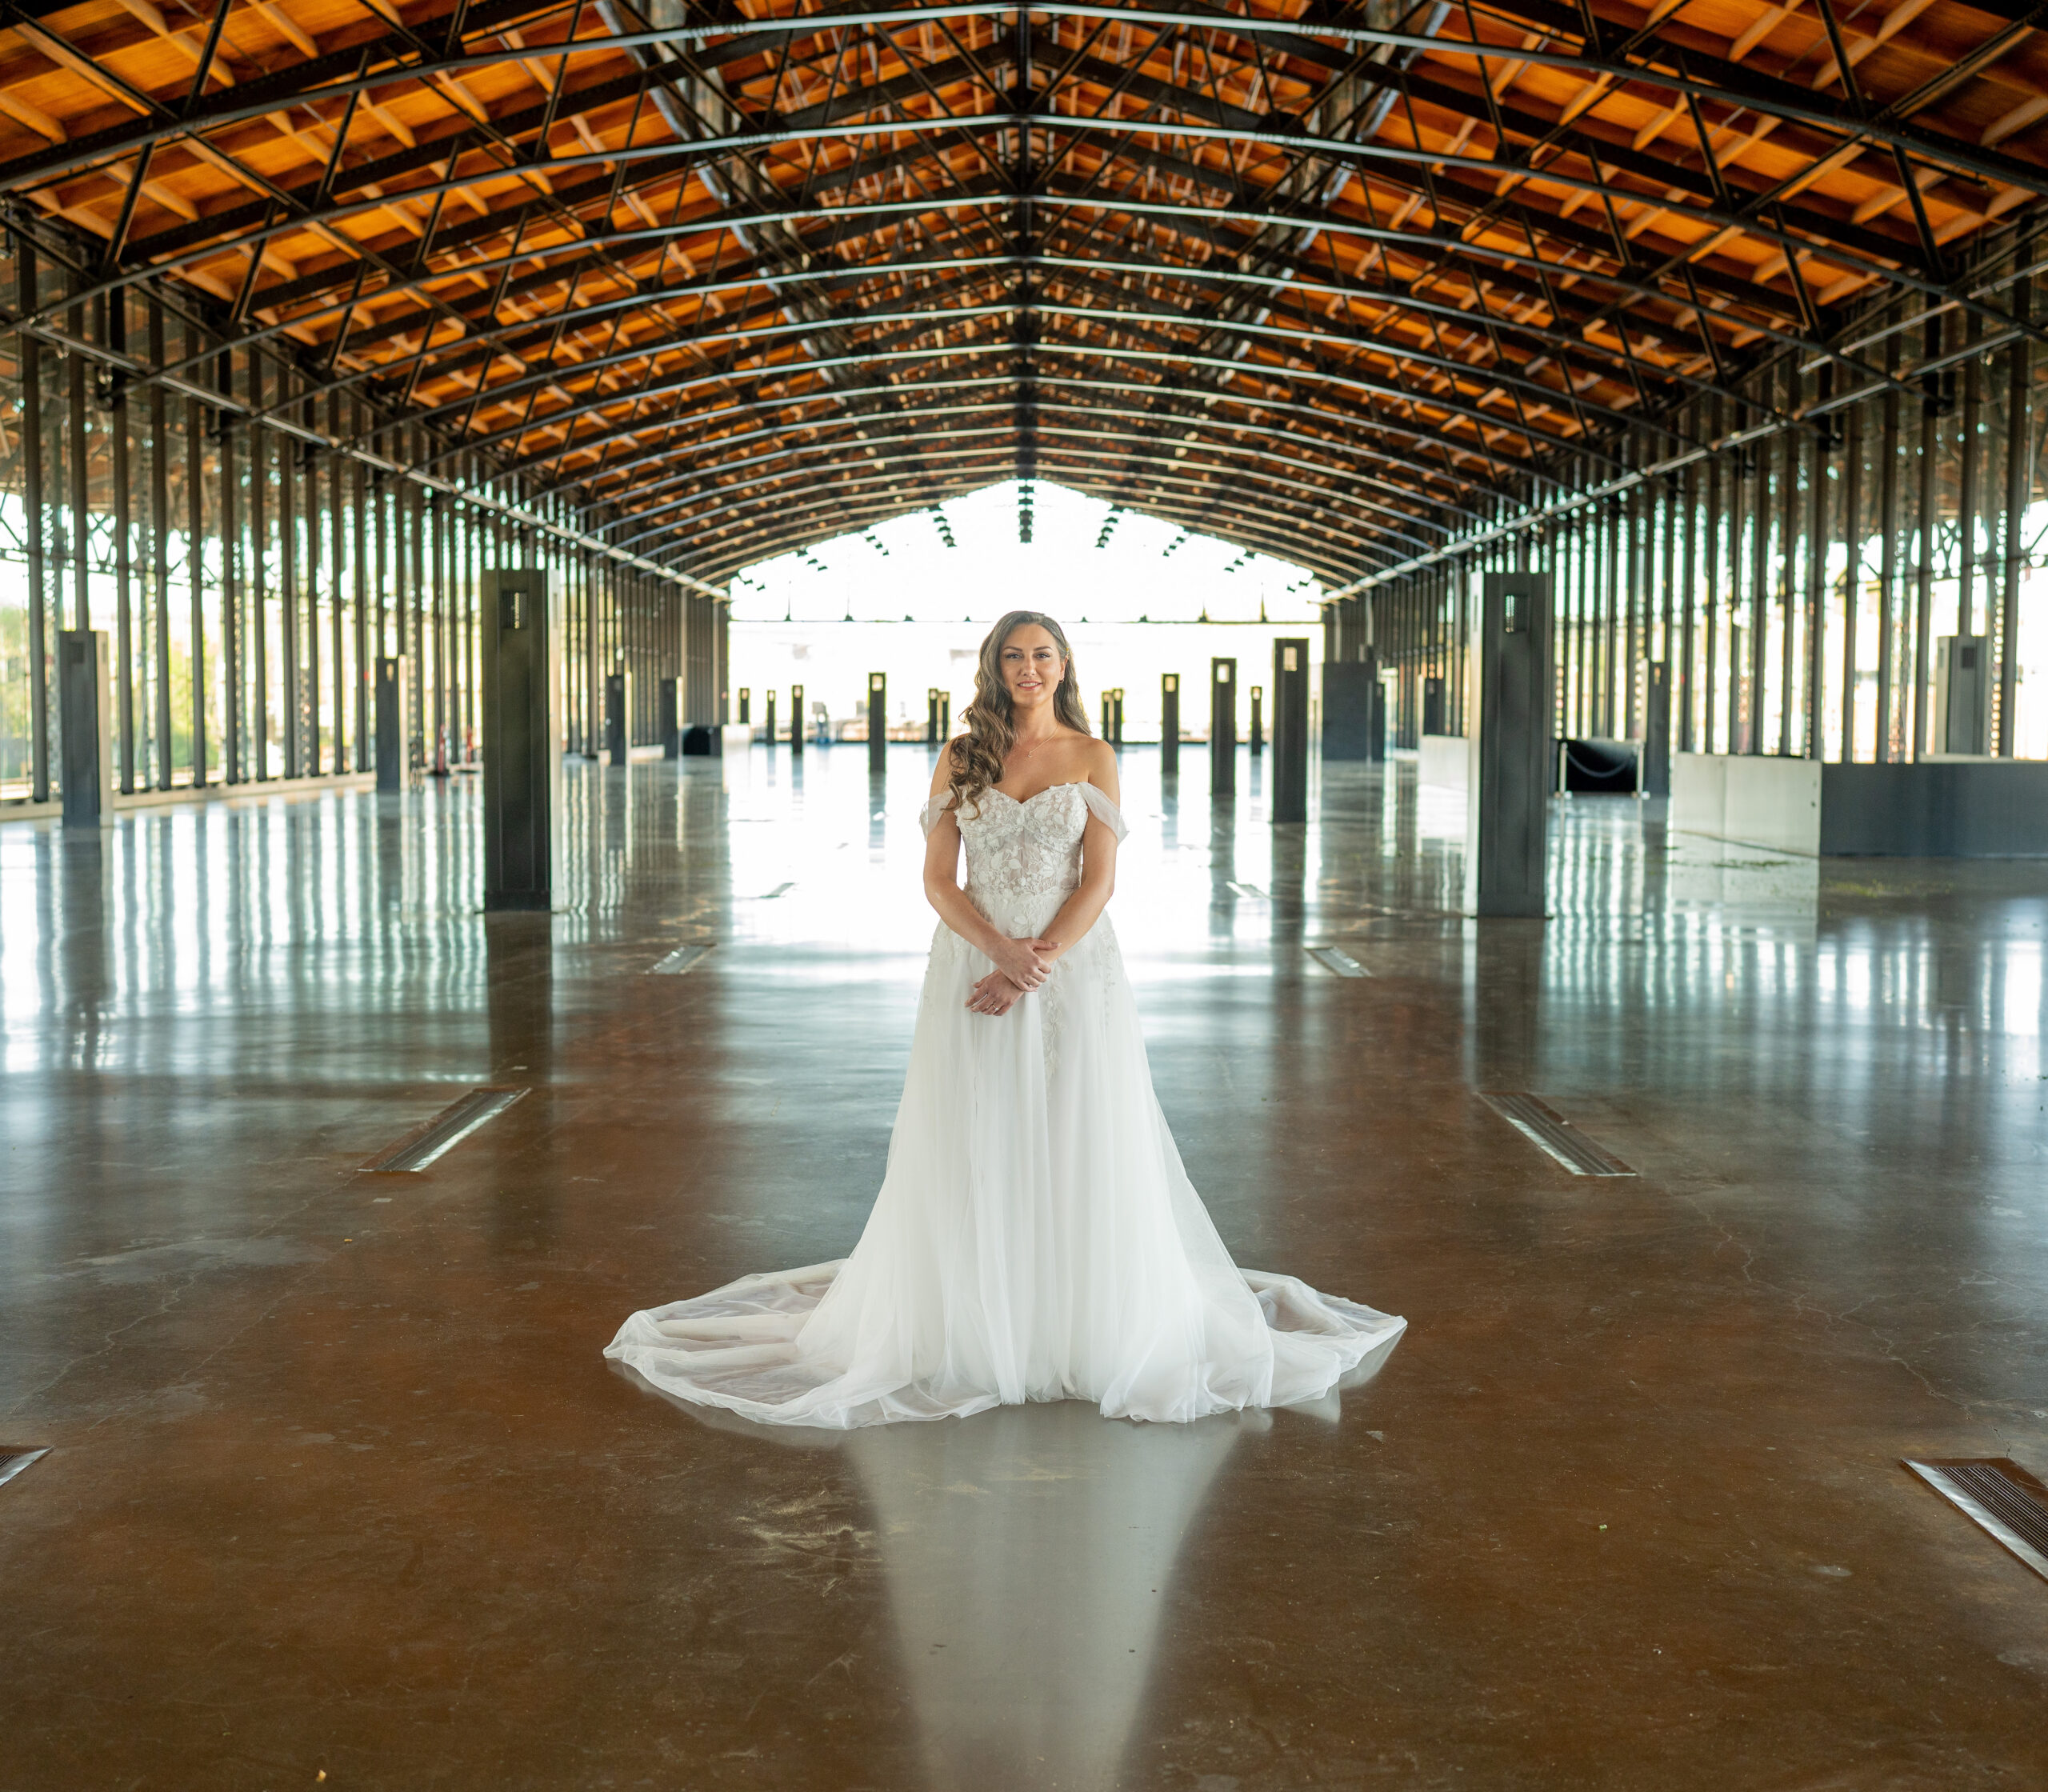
1654	777
1169	724
796	722
522	680
1257	746
668	716
618	715
85	716
394	736
1222	727
877	722
1508	784
1291	730
1353	710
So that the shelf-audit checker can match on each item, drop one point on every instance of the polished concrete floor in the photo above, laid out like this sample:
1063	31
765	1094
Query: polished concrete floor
339	1483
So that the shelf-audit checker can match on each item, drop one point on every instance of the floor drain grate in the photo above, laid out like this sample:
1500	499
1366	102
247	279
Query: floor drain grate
682	958
1999	1496
1335	959
445	1130
14	1457
1557	1135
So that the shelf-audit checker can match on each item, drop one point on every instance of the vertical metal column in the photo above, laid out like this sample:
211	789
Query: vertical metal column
234	705
796	722
1852	571
1930	522
359	573
768	714
160	544
1222	727
877	722
29	348
338	554
1255	733
1291	730
1711	525
195	565
2019	482
1169	724
1817	553
259	582
114	312
1886	722
288	597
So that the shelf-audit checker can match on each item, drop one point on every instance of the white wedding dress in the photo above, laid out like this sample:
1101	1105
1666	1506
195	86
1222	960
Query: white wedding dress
1036	1237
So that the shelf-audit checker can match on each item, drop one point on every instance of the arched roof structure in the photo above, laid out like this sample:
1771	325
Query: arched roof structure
1329	281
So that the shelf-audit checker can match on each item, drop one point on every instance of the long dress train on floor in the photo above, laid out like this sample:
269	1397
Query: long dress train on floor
1036	1237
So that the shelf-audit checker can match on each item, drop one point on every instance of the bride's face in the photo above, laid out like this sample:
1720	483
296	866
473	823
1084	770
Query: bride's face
1032	667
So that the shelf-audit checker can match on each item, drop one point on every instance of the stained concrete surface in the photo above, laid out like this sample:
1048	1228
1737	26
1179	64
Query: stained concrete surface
340	1484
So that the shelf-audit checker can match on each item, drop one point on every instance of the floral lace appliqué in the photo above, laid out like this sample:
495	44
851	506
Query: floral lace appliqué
1023	862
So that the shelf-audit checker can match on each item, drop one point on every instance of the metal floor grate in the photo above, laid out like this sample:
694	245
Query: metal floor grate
446	1129
682	958
1335	958
14	1457
1997	1494
1545	1127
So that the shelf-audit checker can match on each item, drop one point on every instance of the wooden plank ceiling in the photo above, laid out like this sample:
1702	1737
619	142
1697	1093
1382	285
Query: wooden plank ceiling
1319	279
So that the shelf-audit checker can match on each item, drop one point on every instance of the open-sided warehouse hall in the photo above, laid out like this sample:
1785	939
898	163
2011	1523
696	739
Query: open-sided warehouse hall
1611	941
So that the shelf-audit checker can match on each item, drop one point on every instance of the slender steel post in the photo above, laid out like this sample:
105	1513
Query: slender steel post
1688	599
80	495
1966	520
1852	572
29	352
2019	485
160	544
288	587
1817	543
113	312
1712	525
233	705
195	565
1761	516
1929	520
1887	720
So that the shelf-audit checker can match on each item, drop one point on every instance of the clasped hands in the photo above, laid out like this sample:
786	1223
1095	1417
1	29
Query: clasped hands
1020	965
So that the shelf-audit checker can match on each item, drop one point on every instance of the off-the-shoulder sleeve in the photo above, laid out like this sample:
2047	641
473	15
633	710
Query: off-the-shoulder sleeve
928	816
1104	811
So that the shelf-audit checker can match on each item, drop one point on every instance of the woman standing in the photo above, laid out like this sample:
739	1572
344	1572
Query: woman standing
1036	1237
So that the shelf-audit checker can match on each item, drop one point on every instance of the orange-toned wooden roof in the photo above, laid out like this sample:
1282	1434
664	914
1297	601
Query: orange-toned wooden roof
1325	280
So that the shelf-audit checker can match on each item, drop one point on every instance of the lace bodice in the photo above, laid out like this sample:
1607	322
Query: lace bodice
1024	859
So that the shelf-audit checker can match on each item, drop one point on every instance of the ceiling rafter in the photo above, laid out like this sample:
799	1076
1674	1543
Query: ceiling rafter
1187	254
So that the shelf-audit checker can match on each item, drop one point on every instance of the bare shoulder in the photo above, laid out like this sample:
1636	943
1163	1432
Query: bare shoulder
942	772
1097	763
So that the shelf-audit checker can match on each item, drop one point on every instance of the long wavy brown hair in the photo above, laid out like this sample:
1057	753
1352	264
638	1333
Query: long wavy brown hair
976	757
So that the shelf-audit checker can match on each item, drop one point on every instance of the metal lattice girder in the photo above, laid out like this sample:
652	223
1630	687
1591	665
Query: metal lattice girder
1473	249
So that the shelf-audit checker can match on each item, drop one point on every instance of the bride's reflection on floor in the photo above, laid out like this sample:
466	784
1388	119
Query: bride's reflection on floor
1029	1554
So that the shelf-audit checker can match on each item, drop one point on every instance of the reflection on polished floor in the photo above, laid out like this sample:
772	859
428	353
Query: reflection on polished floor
340	1483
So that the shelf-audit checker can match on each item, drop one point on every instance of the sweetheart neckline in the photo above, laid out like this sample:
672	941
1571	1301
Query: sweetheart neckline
1024	802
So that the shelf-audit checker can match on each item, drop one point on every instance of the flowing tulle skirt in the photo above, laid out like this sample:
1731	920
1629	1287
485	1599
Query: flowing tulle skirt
1036	1239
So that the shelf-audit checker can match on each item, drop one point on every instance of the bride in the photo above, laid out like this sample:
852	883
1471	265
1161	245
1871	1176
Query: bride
1036	1237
